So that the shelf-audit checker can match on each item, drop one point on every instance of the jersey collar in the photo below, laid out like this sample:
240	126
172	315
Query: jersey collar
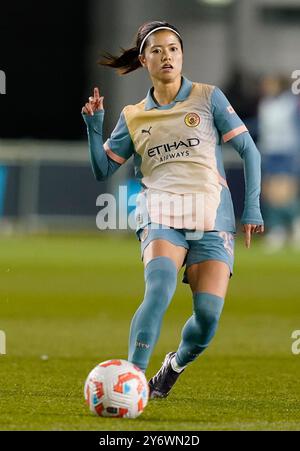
183	93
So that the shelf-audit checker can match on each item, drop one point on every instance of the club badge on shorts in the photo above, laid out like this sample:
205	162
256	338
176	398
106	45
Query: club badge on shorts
192	119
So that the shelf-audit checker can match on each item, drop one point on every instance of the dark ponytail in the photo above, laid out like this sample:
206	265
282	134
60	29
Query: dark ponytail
125	63
129	61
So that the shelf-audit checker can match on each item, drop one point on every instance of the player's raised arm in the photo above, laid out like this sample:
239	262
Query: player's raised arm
106	157
93	115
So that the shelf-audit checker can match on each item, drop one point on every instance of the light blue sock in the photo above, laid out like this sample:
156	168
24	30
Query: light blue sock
160	281
200	328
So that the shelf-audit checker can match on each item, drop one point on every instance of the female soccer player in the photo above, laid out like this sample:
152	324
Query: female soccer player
184	212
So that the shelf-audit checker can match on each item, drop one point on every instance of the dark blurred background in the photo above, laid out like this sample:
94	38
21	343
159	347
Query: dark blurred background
43	51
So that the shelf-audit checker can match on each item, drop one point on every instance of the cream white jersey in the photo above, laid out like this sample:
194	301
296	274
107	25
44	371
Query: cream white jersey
178	157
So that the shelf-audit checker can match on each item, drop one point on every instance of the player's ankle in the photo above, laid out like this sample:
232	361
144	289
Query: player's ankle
175	365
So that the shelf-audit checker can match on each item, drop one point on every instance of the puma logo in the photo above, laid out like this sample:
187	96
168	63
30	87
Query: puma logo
147	131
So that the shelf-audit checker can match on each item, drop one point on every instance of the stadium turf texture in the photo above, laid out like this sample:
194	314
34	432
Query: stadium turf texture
66	304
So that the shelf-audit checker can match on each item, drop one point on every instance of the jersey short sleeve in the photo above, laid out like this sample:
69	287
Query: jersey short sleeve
226	120
119	147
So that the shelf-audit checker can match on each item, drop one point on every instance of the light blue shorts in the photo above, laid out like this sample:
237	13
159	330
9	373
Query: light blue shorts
200	246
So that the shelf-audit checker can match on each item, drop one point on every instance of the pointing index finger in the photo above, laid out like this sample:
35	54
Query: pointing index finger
247	229
96	93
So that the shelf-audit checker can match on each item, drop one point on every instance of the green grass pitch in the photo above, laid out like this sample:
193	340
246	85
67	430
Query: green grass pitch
71	298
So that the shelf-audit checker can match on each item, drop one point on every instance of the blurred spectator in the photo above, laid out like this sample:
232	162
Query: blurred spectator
279	142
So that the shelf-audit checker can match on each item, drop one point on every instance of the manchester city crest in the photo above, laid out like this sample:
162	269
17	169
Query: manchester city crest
192	119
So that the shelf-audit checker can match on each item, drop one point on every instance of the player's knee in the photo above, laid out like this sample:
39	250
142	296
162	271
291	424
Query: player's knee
207	312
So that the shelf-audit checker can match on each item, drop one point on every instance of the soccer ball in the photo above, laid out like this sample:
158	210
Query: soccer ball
116	388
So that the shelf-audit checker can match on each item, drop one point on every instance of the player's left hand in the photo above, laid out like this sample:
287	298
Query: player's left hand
248	229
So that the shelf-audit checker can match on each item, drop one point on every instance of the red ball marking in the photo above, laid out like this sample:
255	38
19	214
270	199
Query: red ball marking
110	363
99	389
140	405
99	409
125	378
122	412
